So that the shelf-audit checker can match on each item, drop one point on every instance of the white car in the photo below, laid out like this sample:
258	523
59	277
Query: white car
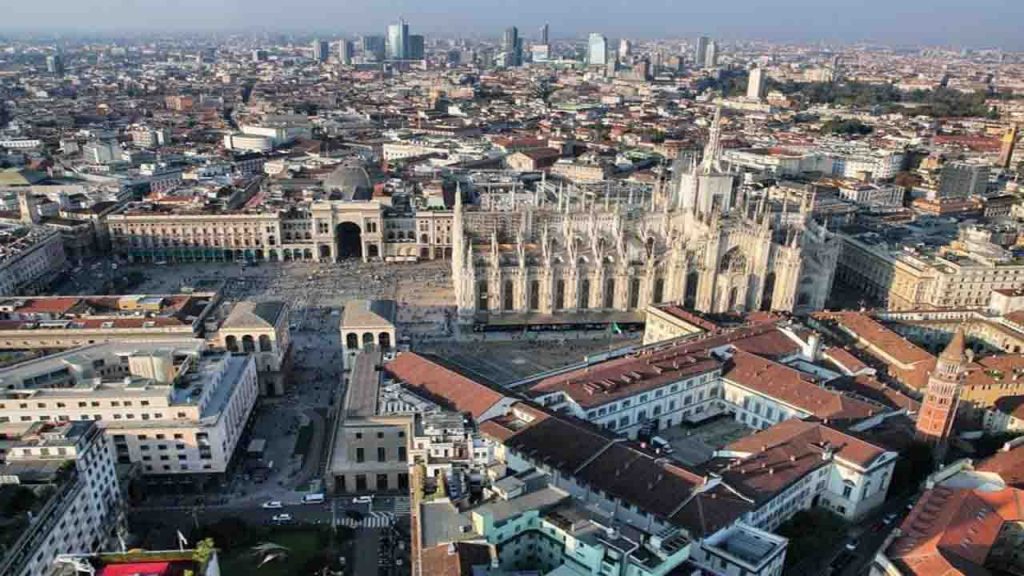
272	505
282	518
362	500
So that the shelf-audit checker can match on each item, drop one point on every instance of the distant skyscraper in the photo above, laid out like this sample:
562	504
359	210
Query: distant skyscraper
512	47
642	70
345	51
55	64
625	49
701	50
755	84
1009	141
375	46
321	49
597	50
942	396
544	33
417	47
711	55
837	67
398	41
259	55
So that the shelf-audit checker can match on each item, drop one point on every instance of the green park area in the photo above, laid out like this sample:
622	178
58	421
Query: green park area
278	550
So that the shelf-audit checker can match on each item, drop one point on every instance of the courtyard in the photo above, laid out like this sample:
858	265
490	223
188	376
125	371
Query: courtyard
696	443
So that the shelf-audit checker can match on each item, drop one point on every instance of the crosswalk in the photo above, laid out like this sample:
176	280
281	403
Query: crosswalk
401	506
373	520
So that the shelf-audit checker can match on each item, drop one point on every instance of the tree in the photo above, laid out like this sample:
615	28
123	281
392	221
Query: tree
204	550
915	463
851	127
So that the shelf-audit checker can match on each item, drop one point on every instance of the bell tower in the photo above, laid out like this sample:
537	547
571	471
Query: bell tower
935	421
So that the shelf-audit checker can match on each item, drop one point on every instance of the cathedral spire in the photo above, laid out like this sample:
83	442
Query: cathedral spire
713	149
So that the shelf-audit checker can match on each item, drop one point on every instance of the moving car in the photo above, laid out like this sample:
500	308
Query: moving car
272	505
282	518
362	500
316	498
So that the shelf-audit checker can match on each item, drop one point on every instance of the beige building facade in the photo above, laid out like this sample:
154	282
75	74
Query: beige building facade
175	409
325	231
262	330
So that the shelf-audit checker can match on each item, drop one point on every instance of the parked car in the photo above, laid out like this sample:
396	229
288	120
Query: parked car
317	498
362	500
661	445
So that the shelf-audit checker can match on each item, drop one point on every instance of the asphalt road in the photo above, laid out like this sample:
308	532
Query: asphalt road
166	520
869	533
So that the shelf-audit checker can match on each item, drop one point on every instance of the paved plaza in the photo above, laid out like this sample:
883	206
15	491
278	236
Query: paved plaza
502	362
694	445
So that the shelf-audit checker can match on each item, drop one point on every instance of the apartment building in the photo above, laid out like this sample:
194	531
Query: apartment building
177	409
796	464
370	447
903	279
30	258
691	380
667	512
64	473
60	322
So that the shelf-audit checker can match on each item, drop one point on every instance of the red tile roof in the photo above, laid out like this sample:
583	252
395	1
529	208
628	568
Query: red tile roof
882	338
687	316
794	388
844	360
442	384
870	388
951	531
1008	464
905	361
56	305
623	377
801	436
618	469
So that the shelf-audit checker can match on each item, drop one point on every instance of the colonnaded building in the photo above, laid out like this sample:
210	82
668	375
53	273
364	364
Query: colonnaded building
586	250
346	221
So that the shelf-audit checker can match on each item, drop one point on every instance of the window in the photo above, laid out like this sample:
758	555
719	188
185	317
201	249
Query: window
381	454
360	455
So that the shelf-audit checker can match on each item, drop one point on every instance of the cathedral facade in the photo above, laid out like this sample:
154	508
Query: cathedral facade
695	241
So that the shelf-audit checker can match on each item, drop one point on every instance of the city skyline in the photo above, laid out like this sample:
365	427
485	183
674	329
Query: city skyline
798	21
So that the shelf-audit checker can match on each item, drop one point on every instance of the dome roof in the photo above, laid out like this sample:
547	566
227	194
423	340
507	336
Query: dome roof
351	182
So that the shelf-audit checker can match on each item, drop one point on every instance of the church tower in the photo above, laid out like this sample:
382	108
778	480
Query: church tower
935	420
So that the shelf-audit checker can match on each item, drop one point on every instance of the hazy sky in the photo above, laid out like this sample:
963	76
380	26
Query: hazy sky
971	23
